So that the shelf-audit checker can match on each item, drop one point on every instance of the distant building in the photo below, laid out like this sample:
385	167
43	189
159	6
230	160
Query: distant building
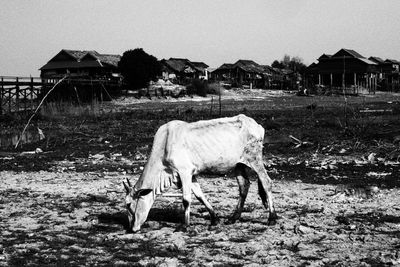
182	70
344	69
389	73
248	73
84	64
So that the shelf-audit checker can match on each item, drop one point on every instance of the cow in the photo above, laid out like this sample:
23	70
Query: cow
182	150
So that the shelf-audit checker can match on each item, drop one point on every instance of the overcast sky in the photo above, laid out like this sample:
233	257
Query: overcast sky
212	31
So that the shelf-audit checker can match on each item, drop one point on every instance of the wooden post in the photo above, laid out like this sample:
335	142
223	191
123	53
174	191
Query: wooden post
17	94
219	99
25	91
9	99
32	93
355	83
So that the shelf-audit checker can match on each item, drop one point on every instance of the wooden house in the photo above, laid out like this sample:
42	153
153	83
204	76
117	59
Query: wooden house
344	69
182	70
223	73
246	73
389	74
83	64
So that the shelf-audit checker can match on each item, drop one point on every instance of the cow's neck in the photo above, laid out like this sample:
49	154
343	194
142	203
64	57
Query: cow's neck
155	176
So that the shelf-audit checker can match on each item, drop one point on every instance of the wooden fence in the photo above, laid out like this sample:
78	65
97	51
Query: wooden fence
23	94
19	93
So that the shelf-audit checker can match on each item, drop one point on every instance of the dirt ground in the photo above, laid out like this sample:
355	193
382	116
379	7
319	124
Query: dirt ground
336	191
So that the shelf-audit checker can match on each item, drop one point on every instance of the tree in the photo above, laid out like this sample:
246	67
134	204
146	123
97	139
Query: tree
138	68
277	64
291	63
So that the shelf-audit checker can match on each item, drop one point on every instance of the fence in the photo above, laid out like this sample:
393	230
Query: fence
21	94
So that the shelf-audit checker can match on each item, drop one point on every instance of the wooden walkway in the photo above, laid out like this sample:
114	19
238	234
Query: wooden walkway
23	94
19	93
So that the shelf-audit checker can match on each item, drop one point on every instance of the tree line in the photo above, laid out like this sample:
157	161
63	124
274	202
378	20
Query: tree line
138	68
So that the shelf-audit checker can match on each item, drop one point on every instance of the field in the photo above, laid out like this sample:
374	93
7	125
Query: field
336	186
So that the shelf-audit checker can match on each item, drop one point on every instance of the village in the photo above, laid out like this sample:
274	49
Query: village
332	154
92	75
344	69
200	133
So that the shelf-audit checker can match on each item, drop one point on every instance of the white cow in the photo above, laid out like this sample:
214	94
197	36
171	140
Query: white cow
182	150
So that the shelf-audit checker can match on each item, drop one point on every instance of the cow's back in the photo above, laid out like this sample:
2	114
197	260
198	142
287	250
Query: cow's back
214	145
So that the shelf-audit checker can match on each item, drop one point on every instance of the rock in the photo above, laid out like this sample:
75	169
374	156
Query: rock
371	158
179	243
304	230
78	214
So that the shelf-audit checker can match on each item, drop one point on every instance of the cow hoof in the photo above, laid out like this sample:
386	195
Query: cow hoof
182	228
272	219
230	221
215	221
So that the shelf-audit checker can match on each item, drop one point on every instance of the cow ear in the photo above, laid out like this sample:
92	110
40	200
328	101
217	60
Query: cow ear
143	192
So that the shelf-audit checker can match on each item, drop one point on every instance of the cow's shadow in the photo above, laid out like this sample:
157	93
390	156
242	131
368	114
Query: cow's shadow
119	218
163	216
169	215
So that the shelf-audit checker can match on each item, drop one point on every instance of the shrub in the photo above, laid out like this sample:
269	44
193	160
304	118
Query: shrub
214	89
197	87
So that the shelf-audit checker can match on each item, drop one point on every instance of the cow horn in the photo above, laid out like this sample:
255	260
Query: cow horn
129	183
126	187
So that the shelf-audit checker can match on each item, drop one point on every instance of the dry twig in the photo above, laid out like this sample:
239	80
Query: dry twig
37	109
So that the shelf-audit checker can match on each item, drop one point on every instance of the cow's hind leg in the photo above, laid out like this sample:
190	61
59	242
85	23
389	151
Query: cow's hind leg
242	177
202	198
264	190
186	179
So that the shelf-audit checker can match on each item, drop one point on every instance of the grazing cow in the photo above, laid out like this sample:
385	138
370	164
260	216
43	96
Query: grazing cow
182	150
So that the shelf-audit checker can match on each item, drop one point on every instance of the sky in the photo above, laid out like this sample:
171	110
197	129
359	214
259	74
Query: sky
211	31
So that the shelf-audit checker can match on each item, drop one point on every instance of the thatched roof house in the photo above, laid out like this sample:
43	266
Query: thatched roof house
181	69
81	63
247	72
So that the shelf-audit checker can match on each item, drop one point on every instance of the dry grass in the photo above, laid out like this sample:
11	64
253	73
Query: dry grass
63	109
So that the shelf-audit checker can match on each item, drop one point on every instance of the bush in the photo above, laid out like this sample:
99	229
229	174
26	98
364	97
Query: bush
214	89
202	88
197	87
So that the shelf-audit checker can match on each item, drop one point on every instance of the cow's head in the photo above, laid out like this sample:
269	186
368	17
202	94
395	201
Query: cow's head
138	204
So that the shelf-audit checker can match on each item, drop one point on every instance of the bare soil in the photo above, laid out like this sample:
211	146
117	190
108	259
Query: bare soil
336	193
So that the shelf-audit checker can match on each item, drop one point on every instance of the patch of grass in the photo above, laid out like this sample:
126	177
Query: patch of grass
56	110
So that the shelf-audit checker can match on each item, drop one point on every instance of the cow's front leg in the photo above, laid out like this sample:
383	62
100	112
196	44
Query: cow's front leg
241	172
186	196
202	198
